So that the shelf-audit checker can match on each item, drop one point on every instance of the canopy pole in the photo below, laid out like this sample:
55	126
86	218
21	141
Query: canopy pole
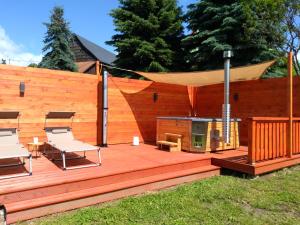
290	102
226	106
104	109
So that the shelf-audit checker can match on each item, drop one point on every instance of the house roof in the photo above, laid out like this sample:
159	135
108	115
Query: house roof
84	66
98	52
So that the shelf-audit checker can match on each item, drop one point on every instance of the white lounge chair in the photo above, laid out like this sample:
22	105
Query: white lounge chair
62	139
10	147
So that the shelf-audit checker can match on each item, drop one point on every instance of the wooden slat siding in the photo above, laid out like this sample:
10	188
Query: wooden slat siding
284	139
268	138
296	136
263	143
48	90
277	140
252	145
256	98
132	110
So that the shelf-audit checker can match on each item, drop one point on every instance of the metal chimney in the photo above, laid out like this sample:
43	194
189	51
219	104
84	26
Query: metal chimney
104	109
226	106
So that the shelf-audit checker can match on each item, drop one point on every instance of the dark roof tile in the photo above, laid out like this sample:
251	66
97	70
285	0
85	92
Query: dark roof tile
100	53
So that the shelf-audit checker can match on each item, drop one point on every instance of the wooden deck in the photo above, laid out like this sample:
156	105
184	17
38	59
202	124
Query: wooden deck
126	170
241	164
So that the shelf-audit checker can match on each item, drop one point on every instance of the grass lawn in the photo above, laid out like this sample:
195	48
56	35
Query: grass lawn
270	199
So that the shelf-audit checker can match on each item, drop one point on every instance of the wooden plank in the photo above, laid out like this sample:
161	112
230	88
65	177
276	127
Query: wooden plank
252	141
290	104
258	147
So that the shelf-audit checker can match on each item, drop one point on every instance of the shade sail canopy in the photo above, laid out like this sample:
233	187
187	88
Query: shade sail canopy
203	78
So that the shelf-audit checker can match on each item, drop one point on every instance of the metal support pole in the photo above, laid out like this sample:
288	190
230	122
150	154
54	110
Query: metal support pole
30	164
3	215
105	109
226	106
99	157
64	160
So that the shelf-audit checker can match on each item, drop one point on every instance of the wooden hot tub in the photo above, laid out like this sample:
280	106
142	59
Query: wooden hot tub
199	134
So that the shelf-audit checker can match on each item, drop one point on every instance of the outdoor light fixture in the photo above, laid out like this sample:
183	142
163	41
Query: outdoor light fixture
22	88
226	106
2	215
236	97
155	97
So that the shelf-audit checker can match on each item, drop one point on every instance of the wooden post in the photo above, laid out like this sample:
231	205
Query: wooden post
251	141
290	106
99	102
192	96
98	68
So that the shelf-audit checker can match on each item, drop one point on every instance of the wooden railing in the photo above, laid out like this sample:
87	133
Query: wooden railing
296	136
268	138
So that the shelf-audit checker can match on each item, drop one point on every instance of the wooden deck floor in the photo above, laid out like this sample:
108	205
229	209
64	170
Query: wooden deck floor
125	170
240	164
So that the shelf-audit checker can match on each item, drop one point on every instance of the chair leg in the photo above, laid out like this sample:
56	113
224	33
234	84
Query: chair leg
64	160
99	157
30	164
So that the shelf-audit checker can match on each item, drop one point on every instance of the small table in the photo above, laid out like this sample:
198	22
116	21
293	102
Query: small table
35	147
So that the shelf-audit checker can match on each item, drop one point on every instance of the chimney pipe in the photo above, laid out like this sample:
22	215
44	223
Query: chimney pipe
104	109
226	106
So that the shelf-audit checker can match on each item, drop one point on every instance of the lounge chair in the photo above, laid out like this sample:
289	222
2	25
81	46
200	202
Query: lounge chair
10	147
62	139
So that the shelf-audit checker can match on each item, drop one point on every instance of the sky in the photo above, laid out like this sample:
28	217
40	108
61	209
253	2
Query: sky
22	30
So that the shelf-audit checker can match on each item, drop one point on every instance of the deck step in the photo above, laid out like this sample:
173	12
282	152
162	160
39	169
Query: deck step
40	206
91	178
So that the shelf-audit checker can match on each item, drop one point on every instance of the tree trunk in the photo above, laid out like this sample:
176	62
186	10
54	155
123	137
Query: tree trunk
296	65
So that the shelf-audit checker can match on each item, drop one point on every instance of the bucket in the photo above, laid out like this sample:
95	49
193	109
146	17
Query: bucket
35	140
136	141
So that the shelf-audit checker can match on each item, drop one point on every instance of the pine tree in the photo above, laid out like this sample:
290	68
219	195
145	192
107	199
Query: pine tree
218	25
149	35
57	43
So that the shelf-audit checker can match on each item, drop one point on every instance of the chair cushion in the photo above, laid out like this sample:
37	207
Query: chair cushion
59	131
4	133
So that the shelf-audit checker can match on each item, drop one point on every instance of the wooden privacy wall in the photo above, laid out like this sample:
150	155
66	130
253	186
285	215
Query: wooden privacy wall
135	104
48	90
257	98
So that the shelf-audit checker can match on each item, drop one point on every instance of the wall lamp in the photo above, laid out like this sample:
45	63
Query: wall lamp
22	88
3	215
155	97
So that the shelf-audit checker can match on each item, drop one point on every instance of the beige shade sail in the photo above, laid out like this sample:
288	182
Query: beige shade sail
203	78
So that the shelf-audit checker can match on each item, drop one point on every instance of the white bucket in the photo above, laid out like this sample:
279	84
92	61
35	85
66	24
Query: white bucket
136	141
35	140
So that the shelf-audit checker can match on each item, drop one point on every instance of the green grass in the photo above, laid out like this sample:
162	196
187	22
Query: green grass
271	199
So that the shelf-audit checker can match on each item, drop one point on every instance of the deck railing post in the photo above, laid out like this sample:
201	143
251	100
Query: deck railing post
251	140
290	106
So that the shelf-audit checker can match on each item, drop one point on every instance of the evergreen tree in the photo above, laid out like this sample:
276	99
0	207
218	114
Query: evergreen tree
218	25
149	35
57	43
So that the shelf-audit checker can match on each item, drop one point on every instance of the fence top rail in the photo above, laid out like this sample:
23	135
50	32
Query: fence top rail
261	119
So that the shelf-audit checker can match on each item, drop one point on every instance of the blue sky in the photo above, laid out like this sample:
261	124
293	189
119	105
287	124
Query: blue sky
22	31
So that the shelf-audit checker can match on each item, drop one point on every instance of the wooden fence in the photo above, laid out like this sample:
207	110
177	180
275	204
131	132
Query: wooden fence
268	138
255	98
132	106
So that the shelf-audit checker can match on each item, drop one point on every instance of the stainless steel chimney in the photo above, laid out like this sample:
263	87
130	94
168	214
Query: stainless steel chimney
226	106
104	109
